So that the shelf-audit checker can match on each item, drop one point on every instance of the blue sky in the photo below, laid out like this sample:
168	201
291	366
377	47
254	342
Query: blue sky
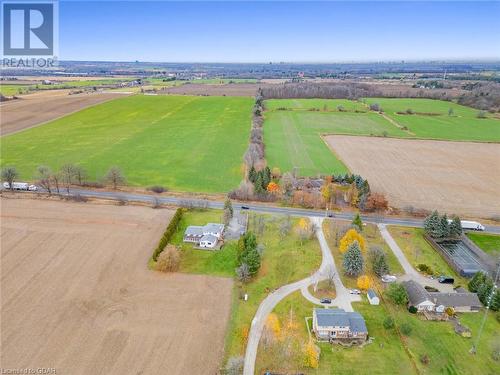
265	31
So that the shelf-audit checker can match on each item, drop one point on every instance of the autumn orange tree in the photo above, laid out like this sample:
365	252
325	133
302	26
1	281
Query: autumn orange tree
364	282
273	187
349	238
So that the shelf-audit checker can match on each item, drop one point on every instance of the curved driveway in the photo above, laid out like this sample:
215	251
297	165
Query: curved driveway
343	299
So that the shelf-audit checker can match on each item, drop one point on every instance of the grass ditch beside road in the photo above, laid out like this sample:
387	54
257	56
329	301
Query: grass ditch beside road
489	243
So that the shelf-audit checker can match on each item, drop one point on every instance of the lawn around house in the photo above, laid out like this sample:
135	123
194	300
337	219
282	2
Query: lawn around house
447	351
184	143
489	243
417	250
385	355
373	239
283	261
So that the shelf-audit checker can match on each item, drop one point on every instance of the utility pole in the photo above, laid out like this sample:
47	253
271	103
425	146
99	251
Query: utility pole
473	350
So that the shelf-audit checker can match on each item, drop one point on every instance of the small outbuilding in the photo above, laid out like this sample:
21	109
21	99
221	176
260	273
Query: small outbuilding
372	297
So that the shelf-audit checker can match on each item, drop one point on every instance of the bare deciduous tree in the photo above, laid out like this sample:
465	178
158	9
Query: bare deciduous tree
67	175
115	177
9	174
44	178
80	174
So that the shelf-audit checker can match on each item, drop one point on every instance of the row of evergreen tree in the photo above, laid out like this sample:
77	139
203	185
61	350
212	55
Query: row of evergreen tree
440	228
483	285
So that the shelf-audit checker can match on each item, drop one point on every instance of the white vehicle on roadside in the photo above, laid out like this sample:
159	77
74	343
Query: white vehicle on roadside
354	291
389	278
20	186
470	225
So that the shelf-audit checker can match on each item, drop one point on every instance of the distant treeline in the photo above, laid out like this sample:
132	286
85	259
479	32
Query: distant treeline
484	96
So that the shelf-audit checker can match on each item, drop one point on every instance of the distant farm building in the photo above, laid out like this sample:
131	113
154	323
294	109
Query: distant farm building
339	326
206	236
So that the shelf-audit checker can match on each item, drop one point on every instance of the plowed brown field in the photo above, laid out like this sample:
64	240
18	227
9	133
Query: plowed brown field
453	177
76	294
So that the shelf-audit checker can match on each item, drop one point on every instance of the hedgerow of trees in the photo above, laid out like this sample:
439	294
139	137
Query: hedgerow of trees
169	232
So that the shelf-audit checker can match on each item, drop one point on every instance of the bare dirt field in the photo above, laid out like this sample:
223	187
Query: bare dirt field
41	107
77	295
231	89
454	177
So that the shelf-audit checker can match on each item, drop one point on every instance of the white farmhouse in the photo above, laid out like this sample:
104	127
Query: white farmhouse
206	236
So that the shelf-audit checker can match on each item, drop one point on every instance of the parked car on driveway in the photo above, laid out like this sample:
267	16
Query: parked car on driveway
354	291
446	280
389	278
325	300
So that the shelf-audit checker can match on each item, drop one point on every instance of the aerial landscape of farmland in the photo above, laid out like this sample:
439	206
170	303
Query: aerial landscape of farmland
250	188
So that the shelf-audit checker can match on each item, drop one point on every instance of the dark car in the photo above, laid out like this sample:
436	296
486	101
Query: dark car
245	207
325	300
330	214
446	280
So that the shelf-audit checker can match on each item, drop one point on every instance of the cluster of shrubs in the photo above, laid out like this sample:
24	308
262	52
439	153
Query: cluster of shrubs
483	285
169	232
439	228
425	269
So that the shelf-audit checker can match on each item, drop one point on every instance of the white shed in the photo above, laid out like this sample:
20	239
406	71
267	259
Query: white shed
372	297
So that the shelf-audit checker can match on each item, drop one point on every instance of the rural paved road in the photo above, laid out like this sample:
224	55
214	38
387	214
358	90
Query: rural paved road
256	207
410	272
342	300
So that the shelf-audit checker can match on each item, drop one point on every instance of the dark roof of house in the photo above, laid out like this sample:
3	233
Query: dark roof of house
371	293
456	299
416	292
341	318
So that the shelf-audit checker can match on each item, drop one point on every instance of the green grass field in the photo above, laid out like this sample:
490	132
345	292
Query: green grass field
293	139
321	104
489	243
463	125
181	142
292	136
10	90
